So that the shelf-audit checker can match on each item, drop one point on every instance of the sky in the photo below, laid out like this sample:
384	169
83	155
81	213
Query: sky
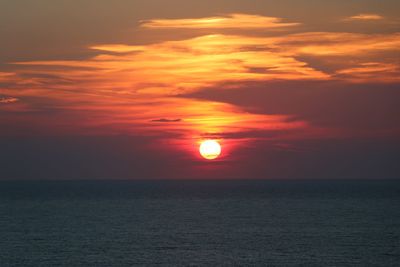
123	89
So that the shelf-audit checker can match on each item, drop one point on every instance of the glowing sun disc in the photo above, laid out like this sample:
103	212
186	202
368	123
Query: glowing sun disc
210	149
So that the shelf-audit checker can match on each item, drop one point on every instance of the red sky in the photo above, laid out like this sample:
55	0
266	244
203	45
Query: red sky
292	90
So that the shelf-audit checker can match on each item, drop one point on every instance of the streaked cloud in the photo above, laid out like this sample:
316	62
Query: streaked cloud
166	120
173	67
334	108
230	21
372	71
6	76
118	48
123	88
338	43
364	17
7	99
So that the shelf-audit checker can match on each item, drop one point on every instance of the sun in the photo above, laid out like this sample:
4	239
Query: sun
210	149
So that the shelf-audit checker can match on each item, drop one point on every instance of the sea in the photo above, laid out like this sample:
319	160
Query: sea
200	223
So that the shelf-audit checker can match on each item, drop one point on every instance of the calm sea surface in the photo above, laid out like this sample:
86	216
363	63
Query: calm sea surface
200	223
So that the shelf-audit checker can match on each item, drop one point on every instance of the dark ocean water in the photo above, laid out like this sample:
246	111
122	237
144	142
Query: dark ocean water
200	223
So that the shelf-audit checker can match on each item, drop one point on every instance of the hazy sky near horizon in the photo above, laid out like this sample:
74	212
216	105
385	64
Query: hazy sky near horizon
128	89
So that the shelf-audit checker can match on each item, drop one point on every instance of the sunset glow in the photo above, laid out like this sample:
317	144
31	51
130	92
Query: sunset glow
262	82
199	133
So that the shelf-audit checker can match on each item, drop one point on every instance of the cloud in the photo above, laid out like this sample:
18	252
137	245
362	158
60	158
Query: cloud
338	43
118	48
372	71
7	99
166	120
331	108
184	66
111	92
230	21
5	75
364	17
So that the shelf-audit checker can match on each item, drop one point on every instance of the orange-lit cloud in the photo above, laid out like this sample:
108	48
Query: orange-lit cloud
7	99
230	21
338	43
6	76
372	71
364	17
173	67
135	88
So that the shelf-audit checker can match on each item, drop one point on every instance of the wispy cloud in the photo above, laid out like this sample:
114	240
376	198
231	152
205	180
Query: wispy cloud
339	43
113	90
230	21
364	17
7	99
175	67
372	71
6	76
166	120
